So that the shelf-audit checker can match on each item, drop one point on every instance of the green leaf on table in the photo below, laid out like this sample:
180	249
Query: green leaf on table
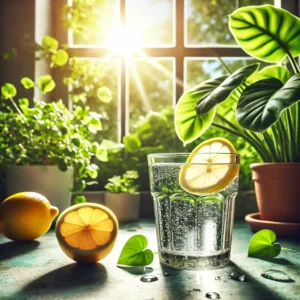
263	244
11	54
46	83
60	57
266	32
132	143
104	94
8	91
262	103
27	83
134	253
50	43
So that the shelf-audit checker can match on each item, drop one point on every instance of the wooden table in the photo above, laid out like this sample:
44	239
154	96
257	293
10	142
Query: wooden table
40	270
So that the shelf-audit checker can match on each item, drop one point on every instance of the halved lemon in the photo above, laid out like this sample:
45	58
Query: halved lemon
87	232
210	168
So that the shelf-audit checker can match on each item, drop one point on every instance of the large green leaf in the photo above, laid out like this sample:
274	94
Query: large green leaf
278	72
134	253
263	244
262	103
225	88
266	32
188	126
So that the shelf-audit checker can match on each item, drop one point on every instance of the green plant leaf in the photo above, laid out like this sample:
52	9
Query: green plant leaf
62	165
46	83
134	253
79	199
27	83
132	142
102	154
50	43
262	103
263	244
104	94
60	57
94	125
8	90
11	54
223	91
278	72
188	126
266	32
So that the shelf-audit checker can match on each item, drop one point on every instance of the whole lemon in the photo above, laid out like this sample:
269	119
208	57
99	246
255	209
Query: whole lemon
26	216
87	232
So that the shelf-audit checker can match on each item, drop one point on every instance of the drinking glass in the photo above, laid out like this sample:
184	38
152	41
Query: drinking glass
194	227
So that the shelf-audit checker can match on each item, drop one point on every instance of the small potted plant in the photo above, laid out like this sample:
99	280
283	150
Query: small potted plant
123	197
265	102
45	147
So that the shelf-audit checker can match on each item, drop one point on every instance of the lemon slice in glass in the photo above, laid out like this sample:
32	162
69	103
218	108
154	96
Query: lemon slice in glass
210	168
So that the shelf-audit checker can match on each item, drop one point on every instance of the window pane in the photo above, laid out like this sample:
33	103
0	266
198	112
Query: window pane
151	86
88	75
151	22
207	22
100	21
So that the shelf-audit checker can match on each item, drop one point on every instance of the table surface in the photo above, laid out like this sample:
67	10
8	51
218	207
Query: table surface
40	270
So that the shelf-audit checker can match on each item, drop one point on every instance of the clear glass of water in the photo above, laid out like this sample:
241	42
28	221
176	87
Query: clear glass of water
194	229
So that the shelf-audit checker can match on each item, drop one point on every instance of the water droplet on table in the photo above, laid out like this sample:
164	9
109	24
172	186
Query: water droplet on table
149	278
196	290
212	295
167	274
218	278
237	277
276	275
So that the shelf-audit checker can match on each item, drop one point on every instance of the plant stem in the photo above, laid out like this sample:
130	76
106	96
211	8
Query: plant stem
259	148
293	62
17	109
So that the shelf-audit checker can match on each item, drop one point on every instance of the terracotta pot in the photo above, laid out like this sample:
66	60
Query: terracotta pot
126	206
277	187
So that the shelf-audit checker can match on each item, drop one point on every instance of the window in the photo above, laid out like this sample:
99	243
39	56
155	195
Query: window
148	51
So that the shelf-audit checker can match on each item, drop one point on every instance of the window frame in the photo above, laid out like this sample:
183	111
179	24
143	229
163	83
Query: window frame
180	51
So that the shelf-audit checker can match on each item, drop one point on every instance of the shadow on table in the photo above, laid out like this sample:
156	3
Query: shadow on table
13	249
278	261
186	284
71	278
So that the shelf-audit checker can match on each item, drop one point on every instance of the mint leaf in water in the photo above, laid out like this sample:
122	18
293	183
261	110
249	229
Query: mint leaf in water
134	253
263	244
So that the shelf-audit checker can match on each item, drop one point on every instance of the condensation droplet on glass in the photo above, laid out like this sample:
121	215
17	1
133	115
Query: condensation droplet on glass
167	274
196	290
212	295
149	278
218	278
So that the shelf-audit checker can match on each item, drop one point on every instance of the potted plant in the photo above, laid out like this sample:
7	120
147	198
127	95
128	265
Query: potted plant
265	103
123	197
45	147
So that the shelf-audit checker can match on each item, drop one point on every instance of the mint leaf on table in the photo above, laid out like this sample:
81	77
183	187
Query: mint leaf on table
134	253
263	244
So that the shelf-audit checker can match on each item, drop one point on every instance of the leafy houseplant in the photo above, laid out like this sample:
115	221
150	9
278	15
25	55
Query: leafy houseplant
123	197
265	104
47	134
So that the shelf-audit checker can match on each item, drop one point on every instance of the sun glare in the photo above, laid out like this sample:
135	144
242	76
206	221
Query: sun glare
125	41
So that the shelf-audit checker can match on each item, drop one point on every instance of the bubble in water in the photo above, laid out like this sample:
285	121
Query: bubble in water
218	278
237	276
212	295
276	275
149	278
196	290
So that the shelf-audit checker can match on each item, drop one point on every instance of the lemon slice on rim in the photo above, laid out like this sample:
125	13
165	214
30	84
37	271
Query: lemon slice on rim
210	168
